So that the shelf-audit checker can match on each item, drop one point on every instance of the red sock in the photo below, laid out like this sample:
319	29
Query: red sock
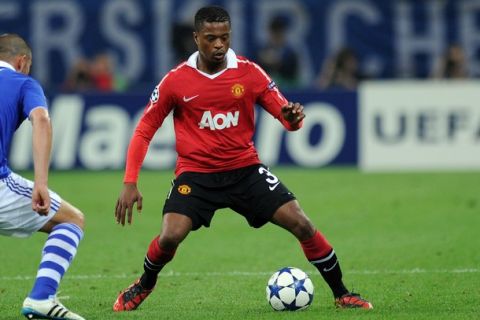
157	255
316	247
155	259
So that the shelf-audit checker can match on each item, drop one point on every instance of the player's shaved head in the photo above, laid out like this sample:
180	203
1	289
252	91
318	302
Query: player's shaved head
12	45
210	14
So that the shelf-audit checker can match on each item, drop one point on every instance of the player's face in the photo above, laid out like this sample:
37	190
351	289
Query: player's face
213	41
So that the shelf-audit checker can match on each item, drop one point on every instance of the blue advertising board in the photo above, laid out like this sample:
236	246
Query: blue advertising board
93	131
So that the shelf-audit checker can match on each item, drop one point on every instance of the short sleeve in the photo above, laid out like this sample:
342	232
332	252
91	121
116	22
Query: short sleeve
33	96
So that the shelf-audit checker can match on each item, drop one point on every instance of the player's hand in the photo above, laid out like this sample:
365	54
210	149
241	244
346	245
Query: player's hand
40	199
293	113
125	202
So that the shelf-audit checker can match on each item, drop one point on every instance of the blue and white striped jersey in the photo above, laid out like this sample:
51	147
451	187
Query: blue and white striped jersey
19	95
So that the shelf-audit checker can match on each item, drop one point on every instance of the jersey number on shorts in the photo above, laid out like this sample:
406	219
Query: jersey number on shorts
271	179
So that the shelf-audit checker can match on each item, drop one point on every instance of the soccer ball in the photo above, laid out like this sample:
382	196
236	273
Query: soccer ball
289	289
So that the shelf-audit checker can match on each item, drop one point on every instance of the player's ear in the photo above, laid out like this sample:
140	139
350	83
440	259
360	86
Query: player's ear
21	64
17	64
25	64
195	37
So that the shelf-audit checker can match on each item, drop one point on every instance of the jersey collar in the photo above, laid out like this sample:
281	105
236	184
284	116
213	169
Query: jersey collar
231	63
4	64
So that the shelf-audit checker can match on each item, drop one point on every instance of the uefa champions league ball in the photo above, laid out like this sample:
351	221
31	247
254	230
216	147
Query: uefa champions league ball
289	289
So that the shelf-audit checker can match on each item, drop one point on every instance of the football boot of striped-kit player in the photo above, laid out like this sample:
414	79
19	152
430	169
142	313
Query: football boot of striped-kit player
47	309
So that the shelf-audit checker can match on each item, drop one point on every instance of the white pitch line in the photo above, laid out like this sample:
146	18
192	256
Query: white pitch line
244	274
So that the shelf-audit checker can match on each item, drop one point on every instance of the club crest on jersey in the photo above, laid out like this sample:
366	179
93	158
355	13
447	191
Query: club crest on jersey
155	95
238	90
184	189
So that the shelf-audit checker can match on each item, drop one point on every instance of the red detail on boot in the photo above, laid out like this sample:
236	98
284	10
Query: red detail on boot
316	247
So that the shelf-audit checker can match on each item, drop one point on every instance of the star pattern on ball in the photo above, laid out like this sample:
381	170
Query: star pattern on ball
289	289
299	285
274	291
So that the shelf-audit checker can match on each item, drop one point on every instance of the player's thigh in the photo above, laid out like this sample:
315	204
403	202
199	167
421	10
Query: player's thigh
17	218
259	196
67	213
189	197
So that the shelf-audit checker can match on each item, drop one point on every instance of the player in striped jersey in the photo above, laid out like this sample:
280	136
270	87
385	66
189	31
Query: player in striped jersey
25	206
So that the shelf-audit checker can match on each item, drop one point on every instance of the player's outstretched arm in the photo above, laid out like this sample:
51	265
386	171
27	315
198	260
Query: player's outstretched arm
293	114
124	208
136	153
42	145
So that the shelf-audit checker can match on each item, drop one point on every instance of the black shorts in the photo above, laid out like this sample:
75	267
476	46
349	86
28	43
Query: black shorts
253	191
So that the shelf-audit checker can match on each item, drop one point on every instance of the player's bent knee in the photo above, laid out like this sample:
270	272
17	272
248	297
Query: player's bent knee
75	216
79	219
170	240
303	228
307	229
69	214
175	228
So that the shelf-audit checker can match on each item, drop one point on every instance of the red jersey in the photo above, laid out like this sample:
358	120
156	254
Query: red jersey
213	116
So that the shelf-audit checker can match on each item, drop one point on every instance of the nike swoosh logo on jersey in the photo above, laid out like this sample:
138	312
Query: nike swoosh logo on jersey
330	269
274	186
186	99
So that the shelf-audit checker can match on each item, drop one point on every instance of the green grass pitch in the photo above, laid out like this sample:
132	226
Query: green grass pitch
408	242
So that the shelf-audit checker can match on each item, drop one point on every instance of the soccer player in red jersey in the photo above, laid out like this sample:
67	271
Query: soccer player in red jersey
212	96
